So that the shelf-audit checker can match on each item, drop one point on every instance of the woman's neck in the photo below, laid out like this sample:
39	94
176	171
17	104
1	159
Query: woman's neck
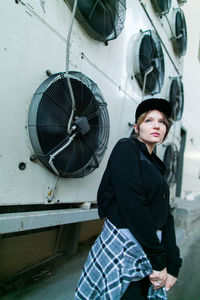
150	146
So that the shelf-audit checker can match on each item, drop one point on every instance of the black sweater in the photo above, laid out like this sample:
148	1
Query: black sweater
134	194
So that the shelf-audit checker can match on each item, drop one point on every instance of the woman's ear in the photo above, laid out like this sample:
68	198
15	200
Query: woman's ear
135	127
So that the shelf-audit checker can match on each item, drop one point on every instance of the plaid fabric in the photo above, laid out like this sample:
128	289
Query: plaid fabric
113	262
160	294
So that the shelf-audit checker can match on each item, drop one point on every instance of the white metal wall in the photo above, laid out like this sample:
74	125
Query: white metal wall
33	40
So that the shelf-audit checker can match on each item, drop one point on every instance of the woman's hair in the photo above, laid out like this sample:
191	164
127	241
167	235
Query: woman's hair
168	123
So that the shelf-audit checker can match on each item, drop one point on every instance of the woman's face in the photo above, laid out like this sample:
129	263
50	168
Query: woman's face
152	130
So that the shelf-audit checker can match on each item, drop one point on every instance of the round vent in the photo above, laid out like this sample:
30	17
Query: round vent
176	98
180	33
103	20
75	151
171	161
149	65
161	7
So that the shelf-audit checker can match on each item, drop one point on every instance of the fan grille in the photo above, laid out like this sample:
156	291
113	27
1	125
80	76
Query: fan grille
176	98
149	66
171	161
161	7
102	19
50	130
180	40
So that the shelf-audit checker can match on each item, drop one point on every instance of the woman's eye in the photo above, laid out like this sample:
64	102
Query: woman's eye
148	120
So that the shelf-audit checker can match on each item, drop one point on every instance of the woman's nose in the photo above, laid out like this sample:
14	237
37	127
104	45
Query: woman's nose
156	125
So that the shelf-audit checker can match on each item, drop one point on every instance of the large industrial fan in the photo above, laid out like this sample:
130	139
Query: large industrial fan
171	161
161	7
179	30
103	20
70	141
176	98
149	64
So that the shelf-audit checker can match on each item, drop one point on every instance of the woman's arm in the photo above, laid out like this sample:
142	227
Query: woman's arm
169	241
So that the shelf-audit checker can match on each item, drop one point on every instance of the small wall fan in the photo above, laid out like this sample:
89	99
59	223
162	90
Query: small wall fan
179	30
176	98
171	161
149	67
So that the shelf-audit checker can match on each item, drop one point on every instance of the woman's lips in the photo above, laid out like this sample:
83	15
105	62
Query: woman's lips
155	133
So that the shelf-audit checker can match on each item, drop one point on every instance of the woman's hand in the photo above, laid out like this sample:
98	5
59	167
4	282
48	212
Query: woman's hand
170	281
158	278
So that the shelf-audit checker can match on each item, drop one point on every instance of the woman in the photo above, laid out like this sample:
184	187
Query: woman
137	245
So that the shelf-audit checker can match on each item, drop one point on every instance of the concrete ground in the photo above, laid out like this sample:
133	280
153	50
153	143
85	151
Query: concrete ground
188	284
60	284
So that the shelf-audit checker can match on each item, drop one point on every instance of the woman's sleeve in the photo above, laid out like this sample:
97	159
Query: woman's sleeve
126	180
169	241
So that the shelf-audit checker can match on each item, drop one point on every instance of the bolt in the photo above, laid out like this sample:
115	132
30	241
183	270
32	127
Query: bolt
48	72
22	166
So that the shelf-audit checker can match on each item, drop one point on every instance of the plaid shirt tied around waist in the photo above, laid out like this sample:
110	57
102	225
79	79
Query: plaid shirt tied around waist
113	262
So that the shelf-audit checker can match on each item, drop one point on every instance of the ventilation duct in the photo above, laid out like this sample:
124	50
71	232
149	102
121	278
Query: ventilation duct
103	20
179	30
171	161
149	64
176	98
77	151
161	7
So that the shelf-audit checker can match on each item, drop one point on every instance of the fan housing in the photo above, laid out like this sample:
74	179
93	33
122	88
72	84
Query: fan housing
176	98
77	152
103	20
179	39
171	162
149	66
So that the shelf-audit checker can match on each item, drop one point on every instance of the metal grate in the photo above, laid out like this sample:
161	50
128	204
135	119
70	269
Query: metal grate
78	152
103	20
